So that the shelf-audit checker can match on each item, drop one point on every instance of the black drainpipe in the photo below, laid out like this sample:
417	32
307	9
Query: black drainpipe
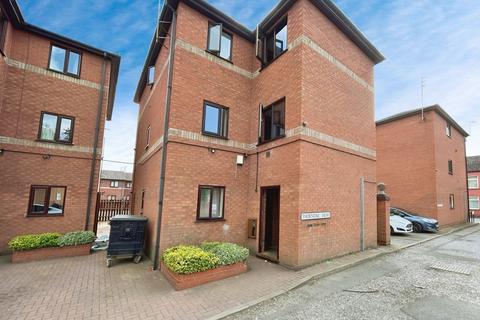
95	141
165	137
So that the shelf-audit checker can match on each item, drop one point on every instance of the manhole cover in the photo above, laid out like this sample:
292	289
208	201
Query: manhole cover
451	268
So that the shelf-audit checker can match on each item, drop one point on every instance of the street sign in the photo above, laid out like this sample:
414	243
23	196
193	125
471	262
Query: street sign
315	215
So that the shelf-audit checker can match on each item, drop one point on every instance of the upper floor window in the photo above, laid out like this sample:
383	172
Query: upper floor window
151	75
129	185
474	203
448	130
64	61
219	42
473	182
56	128
114	184
273	121
215	120
46	200
273	43
3	29
148	137
450	166
210	202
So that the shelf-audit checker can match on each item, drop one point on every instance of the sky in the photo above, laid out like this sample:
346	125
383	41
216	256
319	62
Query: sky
438	40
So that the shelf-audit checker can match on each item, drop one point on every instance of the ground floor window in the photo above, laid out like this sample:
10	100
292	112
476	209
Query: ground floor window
46	200
111	197
210	202
474	203
452	201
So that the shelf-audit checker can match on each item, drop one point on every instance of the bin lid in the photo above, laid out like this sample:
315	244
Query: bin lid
126	217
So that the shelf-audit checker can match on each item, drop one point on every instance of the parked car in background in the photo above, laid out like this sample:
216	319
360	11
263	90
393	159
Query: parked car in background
420	223
399	224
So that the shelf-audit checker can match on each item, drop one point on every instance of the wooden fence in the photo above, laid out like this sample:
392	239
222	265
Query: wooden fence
109	208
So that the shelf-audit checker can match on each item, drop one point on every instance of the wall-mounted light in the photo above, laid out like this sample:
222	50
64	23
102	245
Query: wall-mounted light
211	150
46	156
1	152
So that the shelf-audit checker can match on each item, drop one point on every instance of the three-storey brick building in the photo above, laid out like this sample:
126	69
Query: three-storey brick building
473	168
55	94
421	158
268	136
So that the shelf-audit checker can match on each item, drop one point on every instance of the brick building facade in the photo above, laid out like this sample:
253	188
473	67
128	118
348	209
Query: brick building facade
115	185
55	94
259	132
473	168
423	164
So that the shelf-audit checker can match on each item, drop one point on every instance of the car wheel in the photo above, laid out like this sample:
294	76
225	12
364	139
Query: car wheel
417	227
391	230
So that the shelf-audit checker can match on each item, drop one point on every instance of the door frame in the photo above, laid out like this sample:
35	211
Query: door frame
261	232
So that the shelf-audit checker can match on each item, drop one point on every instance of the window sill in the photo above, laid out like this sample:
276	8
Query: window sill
271	140
218	56
264	66
55	142
44	215
213	135
209	220
65	74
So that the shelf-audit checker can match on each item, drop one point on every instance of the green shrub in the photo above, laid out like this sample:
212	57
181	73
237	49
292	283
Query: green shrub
227	253
34	241
189	259
76	238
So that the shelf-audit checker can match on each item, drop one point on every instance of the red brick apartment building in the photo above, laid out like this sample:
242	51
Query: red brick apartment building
55	94
266	135
422	162
473	168
115	185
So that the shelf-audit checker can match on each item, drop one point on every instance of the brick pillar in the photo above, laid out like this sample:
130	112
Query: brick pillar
383	216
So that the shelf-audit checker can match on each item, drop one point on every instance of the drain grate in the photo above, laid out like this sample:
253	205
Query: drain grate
451	268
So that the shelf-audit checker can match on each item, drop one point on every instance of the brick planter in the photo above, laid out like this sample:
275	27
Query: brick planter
185	281
50	253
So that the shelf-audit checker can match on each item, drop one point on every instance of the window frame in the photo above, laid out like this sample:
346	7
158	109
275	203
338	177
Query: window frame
261	139
114	184
475	198
450	167
128	184
149	129
468	181
211	187
48	192
3	30
262	42
222	32
448	130
223	120
67	58
151	76
56	138
111	197
451	201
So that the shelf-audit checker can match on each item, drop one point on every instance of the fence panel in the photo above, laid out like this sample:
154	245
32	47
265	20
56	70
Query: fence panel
109	208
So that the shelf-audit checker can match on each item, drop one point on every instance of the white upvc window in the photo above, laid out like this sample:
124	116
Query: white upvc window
474	203
473	182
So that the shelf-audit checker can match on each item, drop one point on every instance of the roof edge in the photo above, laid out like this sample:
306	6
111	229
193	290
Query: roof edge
436	108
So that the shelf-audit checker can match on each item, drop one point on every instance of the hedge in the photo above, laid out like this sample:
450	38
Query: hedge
227	253
76	238
190	259
34	241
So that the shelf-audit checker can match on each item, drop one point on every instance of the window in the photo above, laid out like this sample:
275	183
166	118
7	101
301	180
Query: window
143	200
112	198
473	182
450	167
271	45
448	130
56	128
452	201
46	200
151	75
273	121
129	185
114	184
215	120
219	42
474	203
210	203
127	198
3	29
64	61
148	138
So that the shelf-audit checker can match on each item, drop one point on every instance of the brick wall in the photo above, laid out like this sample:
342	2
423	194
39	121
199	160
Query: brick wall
27	91
474	192
318	165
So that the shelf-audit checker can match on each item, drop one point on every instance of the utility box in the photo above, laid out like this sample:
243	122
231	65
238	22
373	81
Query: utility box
127	237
